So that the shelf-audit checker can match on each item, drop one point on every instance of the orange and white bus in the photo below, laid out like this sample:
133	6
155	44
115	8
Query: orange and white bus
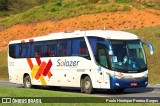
93	59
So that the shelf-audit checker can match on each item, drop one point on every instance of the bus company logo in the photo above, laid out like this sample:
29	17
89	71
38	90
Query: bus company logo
120	75
66	63
40	70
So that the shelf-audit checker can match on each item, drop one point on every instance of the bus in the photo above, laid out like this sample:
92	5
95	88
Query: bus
89	60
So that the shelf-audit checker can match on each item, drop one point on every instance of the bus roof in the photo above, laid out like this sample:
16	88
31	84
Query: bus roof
107	34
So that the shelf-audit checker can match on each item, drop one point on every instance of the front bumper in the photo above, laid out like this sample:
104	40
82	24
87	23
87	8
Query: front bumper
116	83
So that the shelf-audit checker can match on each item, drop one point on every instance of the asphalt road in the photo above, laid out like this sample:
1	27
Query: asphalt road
149	91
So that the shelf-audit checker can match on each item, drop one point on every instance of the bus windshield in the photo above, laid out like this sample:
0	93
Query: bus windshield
128	56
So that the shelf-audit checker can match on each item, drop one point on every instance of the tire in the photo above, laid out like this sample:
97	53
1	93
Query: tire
82	87
119	90
27	82
87	85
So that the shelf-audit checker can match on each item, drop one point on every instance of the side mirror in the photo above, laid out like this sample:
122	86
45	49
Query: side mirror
110	50
150	46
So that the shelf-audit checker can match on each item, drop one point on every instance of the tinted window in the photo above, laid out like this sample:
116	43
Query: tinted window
67	47
50	48
24	50
93	42
37	49
83	48
79	48
12	50
64	47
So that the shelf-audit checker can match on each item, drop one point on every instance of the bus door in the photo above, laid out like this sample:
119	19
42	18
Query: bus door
102	59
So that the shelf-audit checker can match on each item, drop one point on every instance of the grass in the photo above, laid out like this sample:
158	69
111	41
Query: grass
22	92
124	1
3	66
19	6
154	4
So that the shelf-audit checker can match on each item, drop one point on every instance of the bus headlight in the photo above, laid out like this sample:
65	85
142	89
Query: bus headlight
146	82
117	84
145	75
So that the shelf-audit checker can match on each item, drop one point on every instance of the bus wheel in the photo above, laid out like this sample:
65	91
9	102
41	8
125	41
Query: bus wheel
82	85
27	82
87	85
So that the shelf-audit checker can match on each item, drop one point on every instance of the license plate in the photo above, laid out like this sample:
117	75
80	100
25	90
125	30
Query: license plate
133	84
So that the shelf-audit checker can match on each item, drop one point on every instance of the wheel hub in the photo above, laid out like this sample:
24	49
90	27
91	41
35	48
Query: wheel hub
28	83
87	85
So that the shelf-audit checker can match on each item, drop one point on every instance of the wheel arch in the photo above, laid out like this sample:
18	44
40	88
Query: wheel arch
83	88
82	77
27	82
25	74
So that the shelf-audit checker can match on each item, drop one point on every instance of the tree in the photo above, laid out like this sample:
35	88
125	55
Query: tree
4	5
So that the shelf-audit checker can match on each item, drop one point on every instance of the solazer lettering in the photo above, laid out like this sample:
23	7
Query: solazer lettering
67	63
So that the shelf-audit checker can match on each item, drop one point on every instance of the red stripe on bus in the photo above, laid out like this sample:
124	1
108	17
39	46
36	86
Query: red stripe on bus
40	70
38	61
48	67
49	74
30	63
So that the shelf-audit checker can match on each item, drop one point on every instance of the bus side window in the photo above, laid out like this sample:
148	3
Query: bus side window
17	50
68	47
50	49
65	47
25	52
93	43
62	48
75	47
37	50
83	48
12	50
79	48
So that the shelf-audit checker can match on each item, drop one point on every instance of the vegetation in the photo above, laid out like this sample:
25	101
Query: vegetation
24	92
14	12
3	66
10	7
124	1
60	10
21	92
4	5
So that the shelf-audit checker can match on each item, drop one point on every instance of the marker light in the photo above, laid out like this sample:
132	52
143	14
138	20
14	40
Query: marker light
31	40
22	41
